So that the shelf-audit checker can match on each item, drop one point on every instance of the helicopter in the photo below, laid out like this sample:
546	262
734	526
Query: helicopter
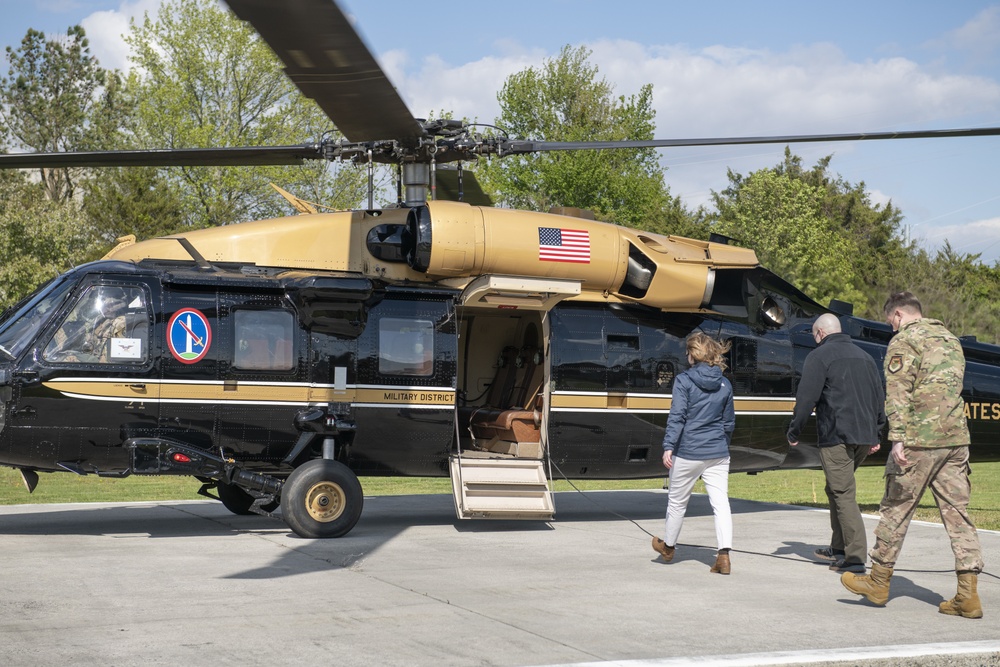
277	360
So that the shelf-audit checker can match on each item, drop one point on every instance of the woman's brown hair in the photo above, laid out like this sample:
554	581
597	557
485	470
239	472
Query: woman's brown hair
702	347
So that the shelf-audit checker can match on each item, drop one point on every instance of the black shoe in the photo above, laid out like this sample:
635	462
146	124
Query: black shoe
844	566
829	553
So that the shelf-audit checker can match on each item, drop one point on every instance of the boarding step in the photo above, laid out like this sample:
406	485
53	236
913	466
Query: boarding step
500	488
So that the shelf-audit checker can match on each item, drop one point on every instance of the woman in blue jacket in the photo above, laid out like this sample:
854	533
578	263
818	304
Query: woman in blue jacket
696	444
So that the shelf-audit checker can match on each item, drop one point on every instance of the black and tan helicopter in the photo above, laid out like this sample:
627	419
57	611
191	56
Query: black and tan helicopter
276	360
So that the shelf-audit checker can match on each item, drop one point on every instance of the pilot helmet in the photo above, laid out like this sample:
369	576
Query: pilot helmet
111	301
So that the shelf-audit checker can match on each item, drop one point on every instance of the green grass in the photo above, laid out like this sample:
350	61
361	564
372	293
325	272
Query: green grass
792	487
805	487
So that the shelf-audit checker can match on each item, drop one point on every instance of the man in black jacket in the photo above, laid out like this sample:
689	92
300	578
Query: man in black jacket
843	384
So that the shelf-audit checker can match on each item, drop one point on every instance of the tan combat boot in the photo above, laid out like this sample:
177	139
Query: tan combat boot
966	601
722	565
874	586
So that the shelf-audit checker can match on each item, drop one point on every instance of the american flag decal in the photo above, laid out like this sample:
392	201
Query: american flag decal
563	245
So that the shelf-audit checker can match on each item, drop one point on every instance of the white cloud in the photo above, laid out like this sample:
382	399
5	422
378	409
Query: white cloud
879	198
469	90
714	91
106	30
720	91
978	236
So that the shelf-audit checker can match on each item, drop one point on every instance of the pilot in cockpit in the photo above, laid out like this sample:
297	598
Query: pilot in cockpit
86	334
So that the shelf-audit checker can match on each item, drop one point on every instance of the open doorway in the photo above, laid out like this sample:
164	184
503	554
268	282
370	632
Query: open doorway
502	382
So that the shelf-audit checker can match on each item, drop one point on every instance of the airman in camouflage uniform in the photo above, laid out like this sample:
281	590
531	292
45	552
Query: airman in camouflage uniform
85	337
924	370
99	341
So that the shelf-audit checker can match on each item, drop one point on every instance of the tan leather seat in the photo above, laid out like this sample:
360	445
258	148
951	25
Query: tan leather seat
500	387
520	420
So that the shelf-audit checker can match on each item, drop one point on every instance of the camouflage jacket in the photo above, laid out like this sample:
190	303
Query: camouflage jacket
924	370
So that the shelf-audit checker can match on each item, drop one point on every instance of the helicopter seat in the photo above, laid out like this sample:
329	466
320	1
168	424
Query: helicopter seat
514	425
520	422
498	391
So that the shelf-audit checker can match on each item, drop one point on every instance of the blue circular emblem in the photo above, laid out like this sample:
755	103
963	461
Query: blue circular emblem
188	335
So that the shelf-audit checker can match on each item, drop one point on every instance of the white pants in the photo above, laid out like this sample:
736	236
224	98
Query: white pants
683	475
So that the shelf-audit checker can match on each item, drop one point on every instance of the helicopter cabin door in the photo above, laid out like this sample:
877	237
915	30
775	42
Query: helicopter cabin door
498	470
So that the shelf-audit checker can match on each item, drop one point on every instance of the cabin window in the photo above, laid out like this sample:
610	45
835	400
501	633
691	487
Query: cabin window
264	340
108	325
405	347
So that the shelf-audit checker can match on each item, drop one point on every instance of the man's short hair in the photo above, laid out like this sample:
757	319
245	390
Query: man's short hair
903	301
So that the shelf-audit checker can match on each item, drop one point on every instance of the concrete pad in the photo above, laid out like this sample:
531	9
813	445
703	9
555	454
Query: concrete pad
188	583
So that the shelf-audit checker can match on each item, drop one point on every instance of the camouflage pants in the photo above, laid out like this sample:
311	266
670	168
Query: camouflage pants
946	471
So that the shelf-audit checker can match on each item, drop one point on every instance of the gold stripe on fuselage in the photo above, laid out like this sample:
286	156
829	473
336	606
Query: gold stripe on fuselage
629	402
381	395
252	393
301	393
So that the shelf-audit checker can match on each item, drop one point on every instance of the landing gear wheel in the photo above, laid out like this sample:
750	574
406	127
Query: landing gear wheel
322	498
238	501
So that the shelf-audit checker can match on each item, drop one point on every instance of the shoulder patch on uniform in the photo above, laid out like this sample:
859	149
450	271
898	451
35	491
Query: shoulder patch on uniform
895	363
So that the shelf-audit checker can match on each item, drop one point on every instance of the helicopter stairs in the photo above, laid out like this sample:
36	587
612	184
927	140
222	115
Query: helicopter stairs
488	487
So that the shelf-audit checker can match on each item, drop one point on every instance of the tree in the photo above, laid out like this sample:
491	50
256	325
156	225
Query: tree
127	200
39	238
781	217
955	288
202	78
132	200
565	100
872	230
826	236
49	98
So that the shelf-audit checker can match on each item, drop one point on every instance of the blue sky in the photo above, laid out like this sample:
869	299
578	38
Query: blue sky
717	69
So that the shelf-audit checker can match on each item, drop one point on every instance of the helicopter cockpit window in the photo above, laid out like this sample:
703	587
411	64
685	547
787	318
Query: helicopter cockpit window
264	340
405	347
25	319
108	325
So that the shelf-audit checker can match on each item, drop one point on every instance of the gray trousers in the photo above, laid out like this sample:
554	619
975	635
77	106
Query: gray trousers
848	528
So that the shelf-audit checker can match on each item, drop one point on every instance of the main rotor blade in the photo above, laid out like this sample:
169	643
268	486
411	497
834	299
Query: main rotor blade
521	146
173	157
325	57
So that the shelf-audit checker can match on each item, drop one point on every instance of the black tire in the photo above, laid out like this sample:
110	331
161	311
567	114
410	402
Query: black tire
322	498
238	501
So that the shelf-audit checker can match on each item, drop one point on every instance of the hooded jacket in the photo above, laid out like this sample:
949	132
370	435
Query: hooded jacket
702	418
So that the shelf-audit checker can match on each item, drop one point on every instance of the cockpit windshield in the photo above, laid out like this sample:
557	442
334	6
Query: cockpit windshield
21	324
